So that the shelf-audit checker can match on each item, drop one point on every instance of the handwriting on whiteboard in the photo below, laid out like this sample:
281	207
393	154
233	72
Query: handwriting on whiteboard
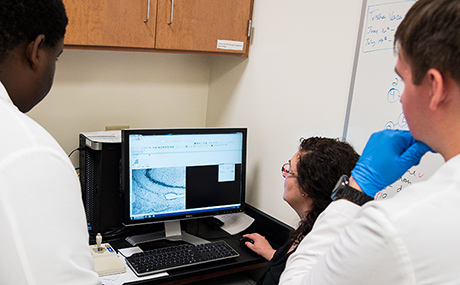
393	96
382	21
407	179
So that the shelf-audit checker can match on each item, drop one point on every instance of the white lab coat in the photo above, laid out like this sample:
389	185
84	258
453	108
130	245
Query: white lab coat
412	238
43	234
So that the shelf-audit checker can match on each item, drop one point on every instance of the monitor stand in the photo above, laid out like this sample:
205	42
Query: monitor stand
172	232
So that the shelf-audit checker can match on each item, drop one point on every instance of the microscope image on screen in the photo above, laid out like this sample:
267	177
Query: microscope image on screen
165	186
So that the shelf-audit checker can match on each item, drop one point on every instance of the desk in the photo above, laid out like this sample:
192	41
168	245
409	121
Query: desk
275	231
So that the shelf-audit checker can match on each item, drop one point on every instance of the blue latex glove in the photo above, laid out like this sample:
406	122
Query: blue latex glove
387	156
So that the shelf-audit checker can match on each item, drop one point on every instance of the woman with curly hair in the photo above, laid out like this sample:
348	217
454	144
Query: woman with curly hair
309	177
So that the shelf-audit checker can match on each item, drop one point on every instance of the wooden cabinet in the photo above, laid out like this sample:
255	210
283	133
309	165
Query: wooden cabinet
111	23
203	26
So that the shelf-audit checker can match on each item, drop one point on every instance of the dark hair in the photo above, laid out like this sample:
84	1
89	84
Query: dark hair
24	20
321	163
429	37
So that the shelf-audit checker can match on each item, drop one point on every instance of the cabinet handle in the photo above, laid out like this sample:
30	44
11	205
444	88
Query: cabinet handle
172	12
148	12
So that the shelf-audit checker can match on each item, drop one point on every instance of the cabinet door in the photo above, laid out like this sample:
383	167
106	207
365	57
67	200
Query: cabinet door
111	23
204	25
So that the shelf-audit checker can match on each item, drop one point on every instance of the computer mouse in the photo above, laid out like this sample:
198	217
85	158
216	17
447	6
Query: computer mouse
243	240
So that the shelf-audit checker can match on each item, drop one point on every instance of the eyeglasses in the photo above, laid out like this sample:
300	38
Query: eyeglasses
286	170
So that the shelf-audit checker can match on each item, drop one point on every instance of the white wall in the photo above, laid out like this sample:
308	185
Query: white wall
94	89
294	84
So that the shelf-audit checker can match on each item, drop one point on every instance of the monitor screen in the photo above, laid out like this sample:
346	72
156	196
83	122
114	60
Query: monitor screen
174	174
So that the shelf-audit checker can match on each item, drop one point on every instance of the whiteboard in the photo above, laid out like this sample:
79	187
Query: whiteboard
375	88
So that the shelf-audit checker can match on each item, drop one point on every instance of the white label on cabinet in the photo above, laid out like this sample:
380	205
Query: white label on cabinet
230	45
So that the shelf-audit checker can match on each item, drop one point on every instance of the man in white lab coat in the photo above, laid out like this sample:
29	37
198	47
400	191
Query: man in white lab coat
43	232
411	238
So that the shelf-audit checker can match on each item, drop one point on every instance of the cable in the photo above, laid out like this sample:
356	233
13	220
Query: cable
112	234
79	148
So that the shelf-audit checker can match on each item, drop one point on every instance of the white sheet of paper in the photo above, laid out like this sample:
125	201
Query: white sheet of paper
235	223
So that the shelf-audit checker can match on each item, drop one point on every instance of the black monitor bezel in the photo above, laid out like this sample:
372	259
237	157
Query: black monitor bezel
124	179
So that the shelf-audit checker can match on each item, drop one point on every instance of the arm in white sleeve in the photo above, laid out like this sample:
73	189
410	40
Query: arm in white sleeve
368	251
44	234
325	230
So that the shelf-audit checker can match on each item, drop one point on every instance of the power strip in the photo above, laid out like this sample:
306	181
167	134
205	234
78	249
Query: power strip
106	261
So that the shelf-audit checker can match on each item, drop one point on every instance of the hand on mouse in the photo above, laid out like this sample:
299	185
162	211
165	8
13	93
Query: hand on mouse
260	246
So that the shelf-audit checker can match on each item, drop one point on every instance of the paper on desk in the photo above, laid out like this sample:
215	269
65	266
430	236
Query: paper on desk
235	223
128	276
127	252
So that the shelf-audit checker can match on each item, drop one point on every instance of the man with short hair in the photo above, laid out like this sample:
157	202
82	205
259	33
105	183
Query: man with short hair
44	239
411	238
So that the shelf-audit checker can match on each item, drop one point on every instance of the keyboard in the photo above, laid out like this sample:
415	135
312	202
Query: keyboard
179	256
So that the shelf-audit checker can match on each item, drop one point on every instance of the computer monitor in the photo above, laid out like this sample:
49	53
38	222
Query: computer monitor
169	175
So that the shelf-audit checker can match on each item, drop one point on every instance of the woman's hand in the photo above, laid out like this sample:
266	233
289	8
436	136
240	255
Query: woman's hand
260	246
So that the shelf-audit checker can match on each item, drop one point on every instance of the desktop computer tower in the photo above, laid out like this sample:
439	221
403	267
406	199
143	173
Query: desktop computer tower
100	154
